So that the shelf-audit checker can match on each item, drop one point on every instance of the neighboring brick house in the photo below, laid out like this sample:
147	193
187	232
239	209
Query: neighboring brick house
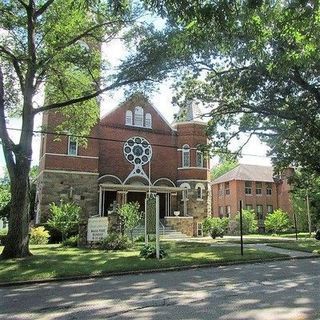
256	186
133	150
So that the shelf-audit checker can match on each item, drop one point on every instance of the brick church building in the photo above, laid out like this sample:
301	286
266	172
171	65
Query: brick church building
131	151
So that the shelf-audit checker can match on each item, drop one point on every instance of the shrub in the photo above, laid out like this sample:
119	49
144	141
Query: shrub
130	216
64	217
71	241
249	223
276	222
141	238
216	227
3	236
149	252
39	235
317	235
115	241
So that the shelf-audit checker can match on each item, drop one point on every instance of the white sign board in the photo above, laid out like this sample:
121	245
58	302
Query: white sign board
97	229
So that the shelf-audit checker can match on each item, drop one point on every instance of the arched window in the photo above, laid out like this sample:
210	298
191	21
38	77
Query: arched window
185	156
199	158
148	120
129	118
200	188
138	116
199	193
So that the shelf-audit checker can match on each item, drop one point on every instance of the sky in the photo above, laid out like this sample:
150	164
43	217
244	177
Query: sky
253	153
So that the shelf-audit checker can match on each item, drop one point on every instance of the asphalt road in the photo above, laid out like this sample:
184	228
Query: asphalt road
274	291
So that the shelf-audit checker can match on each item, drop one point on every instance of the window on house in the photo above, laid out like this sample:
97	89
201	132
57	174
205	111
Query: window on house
221	212
269	189
260	211
148	120
186	156
259	188
248	187
138	116
129	117
227	188
72	146
199	159
248	207
269	208
220	189
228	211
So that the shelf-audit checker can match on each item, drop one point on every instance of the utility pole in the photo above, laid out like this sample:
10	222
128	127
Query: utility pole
241	228
308	213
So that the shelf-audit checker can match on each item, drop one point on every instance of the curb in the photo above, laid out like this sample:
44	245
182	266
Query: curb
147	271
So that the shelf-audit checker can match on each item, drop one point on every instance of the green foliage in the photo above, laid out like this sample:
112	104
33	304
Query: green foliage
141	238
277	221
64	217
130	216
115	241
216	227
249	222
39	235
257	71
3	236
71	241
149	252
223	167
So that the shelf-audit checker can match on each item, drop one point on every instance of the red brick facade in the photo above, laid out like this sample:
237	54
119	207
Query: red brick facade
113	178
273	195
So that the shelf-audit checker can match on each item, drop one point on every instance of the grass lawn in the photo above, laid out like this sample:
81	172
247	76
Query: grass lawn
309	245
54	261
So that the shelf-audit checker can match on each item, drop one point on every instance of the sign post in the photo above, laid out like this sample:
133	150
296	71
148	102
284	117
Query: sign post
241	230
157	229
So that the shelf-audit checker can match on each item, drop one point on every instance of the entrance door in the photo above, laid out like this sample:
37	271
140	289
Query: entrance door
162	205
137	197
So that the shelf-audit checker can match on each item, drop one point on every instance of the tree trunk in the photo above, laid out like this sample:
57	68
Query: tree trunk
17	241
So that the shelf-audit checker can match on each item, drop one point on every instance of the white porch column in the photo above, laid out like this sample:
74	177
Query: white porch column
100	201
185	202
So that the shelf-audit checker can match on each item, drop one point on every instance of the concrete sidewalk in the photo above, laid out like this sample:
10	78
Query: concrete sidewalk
291	253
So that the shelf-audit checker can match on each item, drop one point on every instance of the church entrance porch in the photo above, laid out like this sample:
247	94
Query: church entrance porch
112	196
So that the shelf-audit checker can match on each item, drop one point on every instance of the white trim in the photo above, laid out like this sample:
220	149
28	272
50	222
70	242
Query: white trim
166	179
68	155
194	180
112	176
189	122
199	168
179	217
138	188
71	172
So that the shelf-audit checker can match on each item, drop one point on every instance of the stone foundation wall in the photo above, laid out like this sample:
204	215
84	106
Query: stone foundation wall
181	224
77	187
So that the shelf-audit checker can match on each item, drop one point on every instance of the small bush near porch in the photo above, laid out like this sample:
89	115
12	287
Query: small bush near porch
54	261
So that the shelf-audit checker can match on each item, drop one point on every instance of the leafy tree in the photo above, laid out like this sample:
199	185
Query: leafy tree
216	227
249	222
223	167
65	218
130	216
55	44
255	65
277	221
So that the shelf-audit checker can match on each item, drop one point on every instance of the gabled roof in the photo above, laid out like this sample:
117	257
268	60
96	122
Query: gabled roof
247	172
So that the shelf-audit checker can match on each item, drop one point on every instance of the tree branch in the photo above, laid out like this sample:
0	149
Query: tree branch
7	144
85	97
15	62
44	7
297	78
23	3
